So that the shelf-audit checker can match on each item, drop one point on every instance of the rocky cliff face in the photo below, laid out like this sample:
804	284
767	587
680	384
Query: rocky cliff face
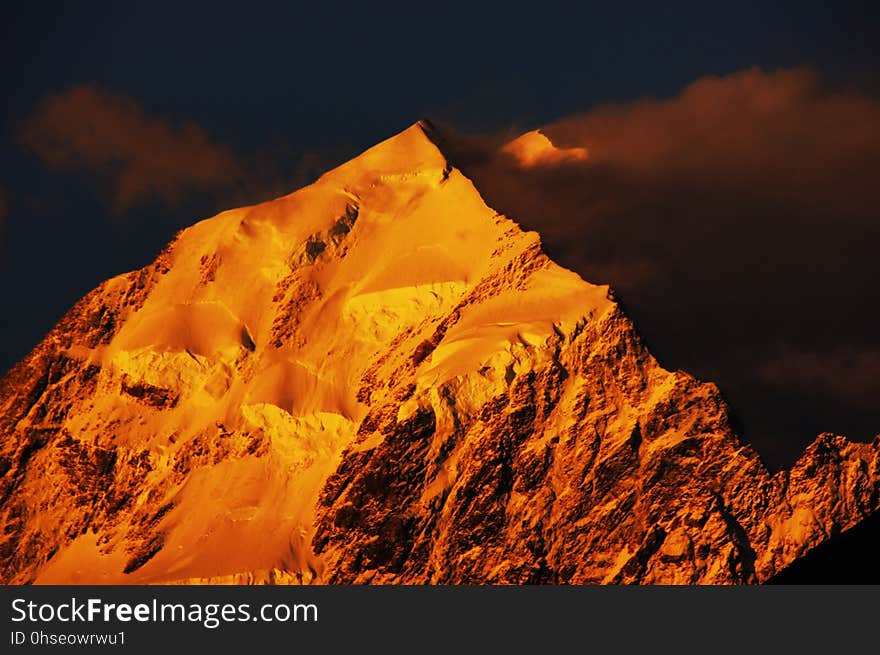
379	379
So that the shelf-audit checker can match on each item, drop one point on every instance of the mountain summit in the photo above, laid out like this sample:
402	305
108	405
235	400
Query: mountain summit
379	379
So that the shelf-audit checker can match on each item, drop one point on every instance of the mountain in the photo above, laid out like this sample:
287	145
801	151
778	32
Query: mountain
379	379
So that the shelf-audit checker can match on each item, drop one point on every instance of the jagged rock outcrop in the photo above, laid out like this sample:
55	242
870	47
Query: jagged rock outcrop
379	379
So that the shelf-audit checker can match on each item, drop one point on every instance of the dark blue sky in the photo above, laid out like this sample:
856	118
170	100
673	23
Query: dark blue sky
259	75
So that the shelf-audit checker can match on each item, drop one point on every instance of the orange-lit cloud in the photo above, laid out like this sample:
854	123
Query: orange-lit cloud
535	149
139	157
736	220
776	132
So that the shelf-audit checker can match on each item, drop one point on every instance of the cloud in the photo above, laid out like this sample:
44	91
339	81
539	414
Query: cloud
842	372
535	149
138	158
736	220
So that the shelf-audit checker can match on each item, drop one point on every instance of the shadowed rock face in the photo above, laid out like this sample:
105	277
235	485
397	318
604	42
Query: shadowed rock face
378	379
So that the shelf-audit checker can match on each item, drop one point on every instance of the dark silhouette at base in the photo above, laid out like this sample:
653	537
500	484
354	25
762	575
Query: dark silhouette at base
852	557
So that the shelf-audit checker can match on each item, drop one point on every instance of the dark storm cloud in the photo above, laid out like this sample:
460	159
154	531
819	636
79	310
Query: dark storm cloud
738	221
139	158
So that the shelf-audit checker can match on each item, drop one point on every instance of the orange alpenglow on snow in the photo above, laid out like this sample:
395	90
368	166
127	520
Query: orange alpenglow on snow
379	379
